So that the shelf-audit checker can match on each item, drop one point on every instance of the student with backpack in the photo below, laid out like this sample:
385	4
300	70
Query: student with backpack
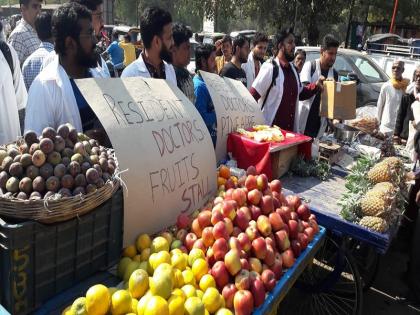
310	123
277	88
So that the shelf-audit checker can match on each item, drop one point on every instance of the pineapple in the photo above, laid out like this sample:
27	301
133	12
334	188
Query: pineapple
375	204
381	172
386	187
374	223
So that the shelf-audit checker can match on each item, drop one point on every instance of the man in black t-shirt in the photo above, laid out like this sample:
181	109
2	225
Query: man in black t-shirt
233	68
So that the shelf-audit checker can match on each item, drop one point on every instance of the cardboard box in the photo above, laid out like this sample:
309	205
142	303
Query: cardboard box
281	161
338	101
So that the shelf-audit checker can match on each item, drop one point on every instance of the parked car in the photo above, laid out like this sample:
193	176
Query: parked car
249	34
369	75
207	38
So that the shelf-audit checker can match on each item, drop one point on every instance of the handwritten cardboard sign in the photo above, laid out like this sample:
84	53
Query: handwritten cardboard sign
162	141
235	108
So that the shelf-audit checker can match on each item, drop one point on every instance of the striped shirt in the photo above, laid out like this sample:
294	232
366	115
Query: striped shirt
24	40
32	66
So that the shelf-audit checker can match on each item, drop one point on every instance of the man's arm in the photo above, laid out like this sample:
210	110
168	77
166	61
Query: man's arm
311	89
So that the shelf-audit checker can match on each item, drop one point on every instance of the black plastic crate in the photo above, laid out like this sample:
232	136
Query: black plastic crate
37	261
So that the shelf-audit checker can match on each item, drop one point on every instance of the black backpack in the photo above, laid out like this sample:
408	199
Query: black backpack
8	56
313	68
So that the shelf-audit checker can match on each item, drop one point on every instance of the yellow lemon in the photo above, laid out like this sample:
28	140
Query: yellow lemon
156	305
141	305
224	311
179	261
176	305
212	300
122	265
159	244
98	300
133	265
134	304
130	251
67	311
138	283
194	254
199	294
207	281
200	268
179	292
194	306
144	266
145	254
168	236
188	277
189	290
161	284
179	279
121	303
143	241
159	259
176	251
79	306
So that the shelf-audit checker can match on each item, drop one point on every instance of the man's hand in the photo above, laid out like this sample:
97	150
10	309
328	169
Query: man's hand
218	44
320	83
396	139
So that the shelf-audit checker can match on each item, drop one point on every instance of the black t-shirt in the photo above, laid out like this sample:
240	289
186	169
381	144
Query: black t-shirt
185	83
233	72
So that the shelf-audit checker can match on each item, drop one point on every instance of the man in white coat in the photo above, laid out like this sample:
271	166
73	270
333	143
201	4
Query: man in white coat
310	123
390	99
12	94
54	98
156	34
255	58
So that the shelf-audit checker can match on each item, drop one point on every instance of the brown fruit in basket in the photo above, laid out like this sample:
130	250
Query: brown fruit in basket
111	168
92	176
93	143
100	183
72	134
38	184
67	152
17	158
96	151
25	185
16	169
26	159
98	168
104	164
91	188
46	171
69	143
64	192
84	167
74	168
35	196
13	151
53	184
59	143
7	161
88	147
33	148
30	137
21	195
32	171
77	157
66	161
79	190
54	158
60	170
67	181
106	176
80	180
94	159
49	133
23	148
38	158
46	145
63	131
3	179
12	185
79	148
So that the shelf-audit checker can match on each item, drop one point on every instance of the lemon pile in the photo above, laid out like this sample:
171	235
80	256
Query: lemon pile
159	279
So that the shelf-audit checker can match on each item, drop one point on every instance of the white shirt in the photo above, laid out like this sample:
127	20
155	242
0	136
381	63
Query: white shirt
305	106
249	68
388	104
262	83
51	100
138	69
13	97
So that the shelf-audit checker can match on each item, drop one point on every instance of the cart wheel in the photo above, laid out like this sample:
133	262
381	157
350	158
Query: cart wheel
331	284
367	261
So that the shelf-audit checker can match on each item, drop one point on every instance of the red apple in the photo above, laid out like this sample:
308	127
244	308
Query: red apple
251	182
229	225
196	228
228	209
303	240
181	234
220	274
282	240
242	280
276	203
263	225
277	267
228	294
220	248
255	212
207	236
190	240
243	302
284	212
276	221
211	260
255	275
259	247
293	229
216	216
200	244
267	205
234	243
217	200
276	186
257	289
251	170
247	212
310	232
239	196
204	219
270	256
262	182
269	279
230	184
294	216
296	248
243	254
244	241
254	196
220	231
236	231
293	202
314	225
183	221
303	212
241	219
305	224
288	258
252	232
184	249
245	264
233	261
268	192
270	241
255	264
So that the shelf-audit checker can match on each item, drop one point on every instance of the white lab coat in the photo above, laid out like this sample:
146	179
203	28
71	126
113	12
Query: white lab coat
13	97
262	83
249	68
305	106
138	69
51	100
388	104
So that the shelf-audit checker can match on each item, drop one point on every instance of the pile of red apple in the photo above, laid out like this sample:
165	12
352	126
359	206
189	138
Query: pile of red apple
250	235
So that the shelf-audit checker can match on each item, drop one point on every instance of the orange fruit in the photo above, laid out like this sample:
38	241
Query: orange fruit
130	251
224	171
221	181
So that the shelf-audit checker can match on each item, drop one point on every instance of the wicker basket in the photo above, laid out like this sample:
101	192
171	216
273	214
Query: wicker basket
57	210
